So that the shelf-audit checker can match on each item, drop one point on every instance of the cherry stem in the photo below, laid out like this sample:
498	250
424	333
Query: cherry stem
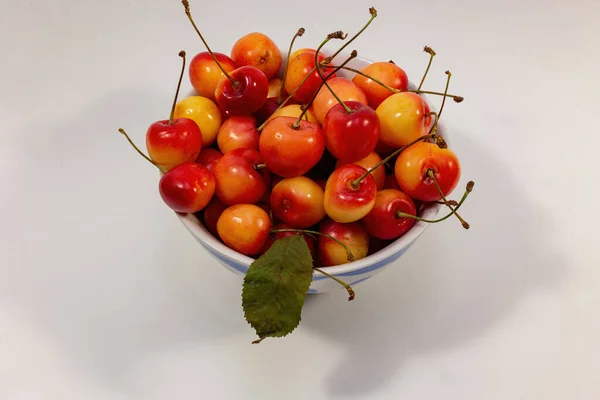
334	35
468	190
456	98
429	50
182	55
186	6
373	12
355	183
349	254
445	94
262	126
257	341
431	174
258	167
139	151
353	55
287	63
348	288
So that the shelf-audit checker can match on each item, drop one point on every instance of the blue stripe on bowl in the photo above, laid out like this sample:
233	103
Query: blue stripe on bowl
311	291
359	281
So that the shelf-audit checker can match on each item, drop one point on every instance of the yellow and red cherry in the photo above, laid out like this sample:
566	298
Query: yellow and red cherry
291	147
241	177
205	74
298	202
241	91
353	235
303	68
367	163
238	132
257	50
187	188
349	193
204	112
387	73
423	167
404	117
209	157
294	110
351	131
344	88
244	228
383	221
176	140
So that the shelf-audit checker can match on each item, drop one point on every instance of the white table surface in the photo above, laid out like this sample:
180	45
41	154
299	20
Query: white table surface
104	295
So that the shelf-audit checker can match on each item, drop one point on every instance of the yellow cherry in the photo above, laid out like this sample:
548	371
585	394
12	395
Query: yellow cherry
294	110
404	117
204	112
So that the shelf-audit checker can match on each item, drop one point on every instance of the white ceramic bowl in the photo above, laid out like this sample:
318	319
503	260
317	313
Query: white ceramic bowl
353	273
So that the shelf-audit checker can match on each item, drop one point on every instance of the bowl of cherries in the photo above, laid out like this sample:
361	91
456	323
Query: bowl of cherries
303	171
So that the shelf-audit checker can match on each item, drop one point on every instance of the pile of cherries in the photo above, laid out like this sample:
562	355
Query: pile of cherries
348	163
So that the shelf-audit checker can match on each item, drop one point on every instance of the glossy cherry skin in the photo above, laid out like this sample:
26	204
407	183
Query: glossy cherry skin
391	182
211	215
237	180
304	50
187	188
353	235
169	144
248	96
310	240
209	157
413	164
351	137
244	228
294	110
385	72
383	222
298	202
404	118
204	112
205	74
257	50
344	88
238	132
299	67
290	152
367	163
343	202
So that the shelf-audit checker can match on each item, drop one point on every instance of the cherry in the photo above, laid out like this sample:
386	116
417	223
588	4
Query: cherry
295	110
351	131
204	112
302	77
426	172
238	132
257	50
240	92
205	73
383	222
241	177
371	161
298	202
291	147
403	117
211	215
391	182
244	228
386	73
352	235
344	88
209	157
174	141
186	188
349	193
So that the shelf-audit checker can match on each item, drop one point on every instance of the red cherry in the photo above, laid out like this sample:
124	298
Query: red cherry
238	132
246	94
187	188
347	200
241	177
209	157
351	136
212	212
383	222
170	143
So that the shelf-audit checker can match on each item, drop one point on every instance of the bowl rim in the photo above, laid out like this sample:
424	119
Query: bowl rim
197	228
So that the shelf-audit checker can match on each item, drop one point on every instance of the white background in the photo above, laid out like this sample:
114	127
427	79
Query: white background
104	295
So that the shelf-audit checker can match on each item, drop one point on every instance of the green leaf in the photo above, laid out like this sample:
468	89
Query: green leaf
275	287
